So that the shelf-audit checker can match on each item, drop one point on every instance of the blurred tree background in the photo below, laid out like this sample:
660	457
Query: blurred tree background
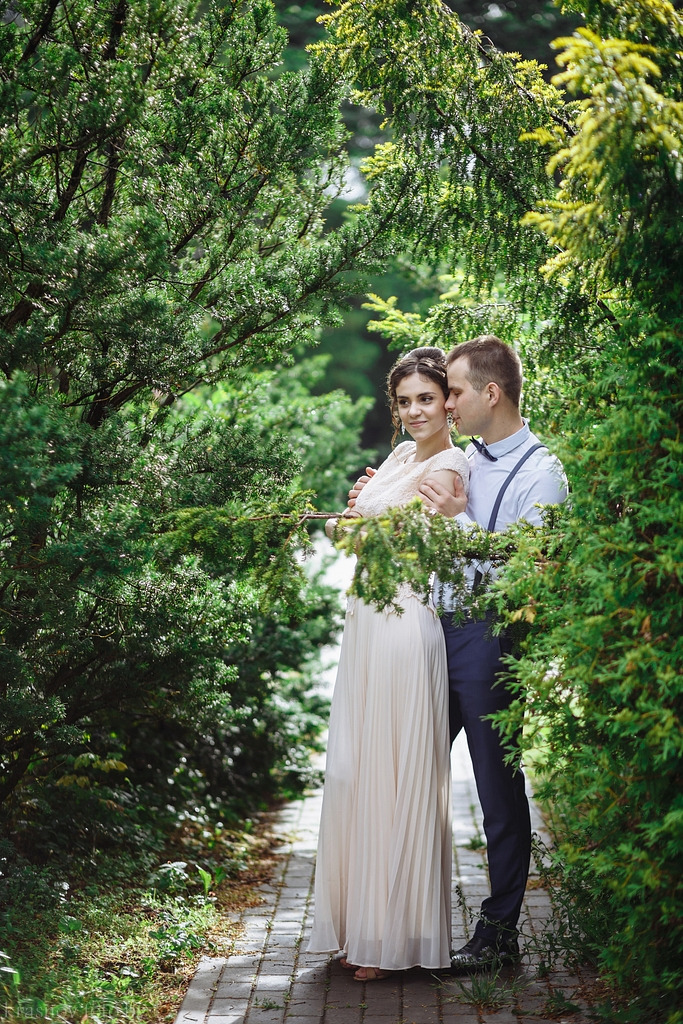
517	26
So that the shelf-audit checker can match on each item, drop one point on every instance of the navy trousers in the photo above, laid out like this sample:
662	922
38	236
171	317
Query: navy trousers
474	666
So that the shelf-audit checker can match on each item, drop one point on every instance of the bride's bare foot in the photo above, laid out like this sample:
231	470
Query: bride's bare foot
371	974
346	965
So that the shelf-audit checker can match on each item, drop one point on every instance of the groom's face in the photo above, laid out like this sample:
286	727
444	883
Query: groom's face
471	409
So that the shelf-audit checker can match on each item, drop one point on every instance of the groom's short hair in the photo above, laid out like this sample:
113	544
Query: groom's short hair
490	359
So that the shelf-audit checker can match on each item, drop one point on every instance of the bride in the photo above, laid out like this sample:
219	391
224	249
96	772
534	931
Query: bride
383	871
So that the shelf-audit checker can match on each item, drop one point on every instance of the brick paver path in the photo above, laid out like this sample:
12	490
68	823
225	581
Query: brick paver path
269	978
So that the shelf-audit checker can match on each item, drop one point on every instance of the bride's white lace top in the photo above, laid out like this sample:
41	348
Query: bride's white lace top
398	479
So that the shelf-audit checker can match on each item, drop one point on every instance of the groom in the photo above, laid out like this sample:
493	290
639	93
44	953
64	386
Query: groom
511	474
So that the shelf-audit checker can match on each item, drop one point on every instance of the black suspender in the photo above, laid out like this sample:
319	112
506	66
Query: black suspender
499	497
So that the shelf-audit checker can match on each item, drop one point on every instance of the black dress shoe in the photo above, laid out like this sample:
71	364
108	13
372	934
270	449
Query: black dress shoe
481	953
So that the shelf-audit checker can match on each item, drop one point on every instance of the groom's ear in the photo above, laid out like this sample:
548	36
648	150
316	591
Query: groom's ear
493	392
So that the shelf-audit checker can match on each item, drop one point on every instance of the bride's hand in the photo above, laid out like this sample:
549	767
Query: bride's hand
331	524
359	485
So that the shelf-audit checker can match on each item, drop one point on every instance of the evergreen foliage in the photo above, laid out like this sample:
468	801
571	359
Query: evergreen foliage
594	301
163	196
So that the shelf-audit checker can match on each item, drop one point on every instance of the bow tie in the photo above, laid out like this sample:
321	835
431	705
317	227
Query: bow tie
483	450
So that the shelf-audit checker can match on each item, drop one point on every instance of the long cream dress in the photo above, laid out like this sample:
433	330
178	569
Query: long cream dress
383	871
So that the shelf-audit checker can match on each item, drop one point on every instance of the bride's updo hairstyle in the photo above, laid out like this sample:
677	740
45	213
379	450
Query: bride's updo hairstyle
427	362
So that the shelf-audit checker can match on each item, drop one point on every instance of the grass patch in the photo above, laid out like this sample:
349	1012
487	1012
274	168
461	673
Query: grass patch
121	946
490	990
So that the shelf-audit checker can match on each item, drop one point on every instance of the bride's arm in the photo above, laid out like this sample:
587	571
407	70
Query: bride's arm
448	485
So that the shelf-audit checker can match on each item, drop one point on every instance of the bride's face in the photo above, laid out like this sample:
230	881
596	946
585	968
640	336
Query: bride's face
421	407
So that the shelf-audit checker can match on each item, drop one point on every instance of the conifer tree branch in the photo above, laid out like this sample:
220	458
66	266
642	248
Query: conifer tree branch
41	31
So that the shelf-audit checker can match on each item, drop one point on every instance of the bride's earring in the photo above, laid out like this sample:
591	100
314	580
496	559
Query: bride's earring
449	421
403	428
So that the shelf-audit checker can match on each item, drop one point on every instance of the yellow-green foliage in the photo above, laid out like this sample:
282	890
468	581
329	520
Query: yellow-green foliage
629	136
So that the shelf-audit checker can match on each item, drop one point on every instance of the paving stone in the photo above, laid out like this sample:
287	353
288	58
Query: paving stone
459	1013
299	871
289	924
236	978
283	942
422	1015
308	969
293	912
265	1015
535	1004
307	1000
230	1005
243	960
194	1006
282	965
343	986
412	1006
191	1016
273	983
382	1000
203	986
233	989
343	1015
195	1000
222	1018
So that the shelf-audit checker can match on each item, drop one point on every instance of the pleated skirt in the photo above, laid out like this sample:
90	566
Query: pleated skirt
383	869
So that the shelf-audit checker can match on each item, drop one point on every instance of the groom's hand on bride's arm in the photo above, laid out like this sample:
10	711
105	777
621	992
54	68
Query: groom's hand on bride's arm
359	485
449	501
